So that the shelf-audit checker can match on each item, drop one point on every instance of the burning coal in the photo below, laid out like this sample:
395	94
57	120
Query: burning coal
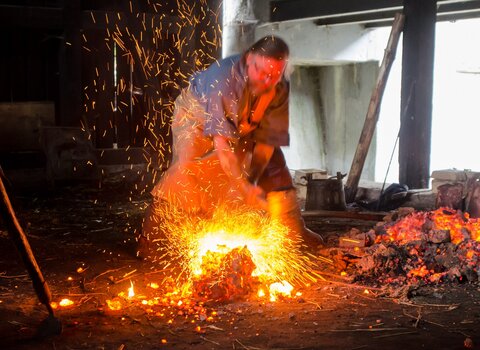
421	247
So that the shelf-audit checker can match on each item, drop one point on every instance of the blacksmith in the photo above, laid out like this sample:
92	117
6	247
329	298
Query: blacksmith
228	126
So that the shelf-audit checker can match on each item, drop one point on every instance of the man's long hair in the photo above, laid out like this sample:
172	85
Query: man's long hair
270	46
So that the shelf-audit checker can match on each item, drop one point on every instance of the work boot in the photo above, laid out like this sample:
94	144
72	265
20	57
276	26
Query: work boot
283	206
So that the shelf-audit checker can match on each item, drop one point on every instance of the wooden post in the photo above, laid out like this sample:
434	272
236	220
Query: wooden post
373	111
417	71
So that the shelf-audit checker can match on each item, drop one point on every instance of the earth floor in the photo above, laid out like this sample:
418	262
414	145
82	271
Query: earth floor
83	240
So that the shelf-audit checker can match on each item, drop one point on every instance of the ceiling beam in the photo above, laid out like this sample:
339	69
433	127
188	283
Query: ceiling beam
284	10
328	12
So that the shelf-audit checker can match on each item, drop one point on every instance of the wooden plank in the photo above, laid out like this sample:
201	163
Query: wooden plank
373	111
417	75
358	215
445	12
283	10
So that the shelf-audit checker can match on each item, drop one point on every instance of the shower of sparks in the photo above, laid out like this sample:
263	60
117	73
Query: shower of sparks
148	53
199	248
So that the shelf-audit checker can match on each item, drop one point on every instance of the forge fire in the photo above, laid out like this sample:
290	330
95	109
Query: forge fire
236	254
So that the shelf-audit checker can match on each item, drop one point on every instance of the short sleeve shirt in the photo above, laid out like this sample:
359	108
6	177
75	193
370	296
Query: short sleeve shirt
223	91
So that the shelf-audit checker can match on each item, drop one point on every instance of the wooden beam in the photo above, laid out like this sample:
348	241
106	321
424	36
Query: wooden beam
358	18
358	215
373	111
417	77
284	10
445	12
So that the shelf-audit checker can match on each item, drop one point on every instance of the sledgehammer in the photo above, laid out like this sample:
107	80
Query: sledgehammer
51	325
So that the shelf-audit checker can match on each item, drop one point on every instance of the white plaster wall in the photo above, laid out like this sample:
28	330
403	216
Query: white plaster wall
455	99
335	89
319	45
307	139
346	92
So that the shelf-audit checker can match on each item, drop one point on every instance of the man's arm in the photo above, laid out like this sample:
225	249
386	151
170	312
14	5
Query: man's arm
228	159
262	153
231	166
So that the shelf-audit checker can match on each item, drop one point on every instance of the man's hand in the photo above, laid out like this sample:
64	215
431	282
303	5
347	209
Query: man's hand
254	196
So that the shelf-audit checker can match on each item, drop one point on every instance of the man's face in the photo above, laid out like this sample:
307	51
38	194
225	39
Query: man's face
263	72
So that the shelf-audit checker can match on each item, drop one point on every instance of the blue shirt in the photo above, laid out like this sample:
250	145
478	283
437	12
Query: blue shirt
224	93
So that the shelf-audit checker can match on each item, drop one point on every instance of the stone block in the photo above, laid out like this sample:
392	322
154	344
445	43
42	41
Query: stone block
302	176
453	175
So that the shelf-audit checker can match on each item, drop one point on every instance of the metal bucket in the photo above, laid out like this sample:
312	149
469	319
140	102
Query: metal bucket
326	194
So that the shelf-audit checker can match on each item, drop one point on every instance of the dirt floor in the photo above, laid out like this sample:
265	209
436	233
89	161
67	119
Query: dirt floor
83	240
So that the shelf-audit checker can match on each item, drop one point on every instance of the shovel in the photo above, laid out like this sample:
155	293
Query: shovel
51	325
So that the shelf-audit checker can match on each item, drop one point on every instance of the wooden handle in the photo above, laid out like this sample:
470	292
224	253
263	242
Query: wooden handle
20	240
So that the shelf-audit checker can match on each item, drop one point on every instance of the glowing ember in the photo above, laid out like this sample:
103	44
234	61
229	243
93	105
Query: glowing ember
459	225
153	285
226	276
114	305
65	302
280	289
441	245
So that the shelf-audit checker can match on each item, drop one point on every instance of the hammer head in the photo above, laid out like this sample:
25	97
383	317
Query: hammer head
49	327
